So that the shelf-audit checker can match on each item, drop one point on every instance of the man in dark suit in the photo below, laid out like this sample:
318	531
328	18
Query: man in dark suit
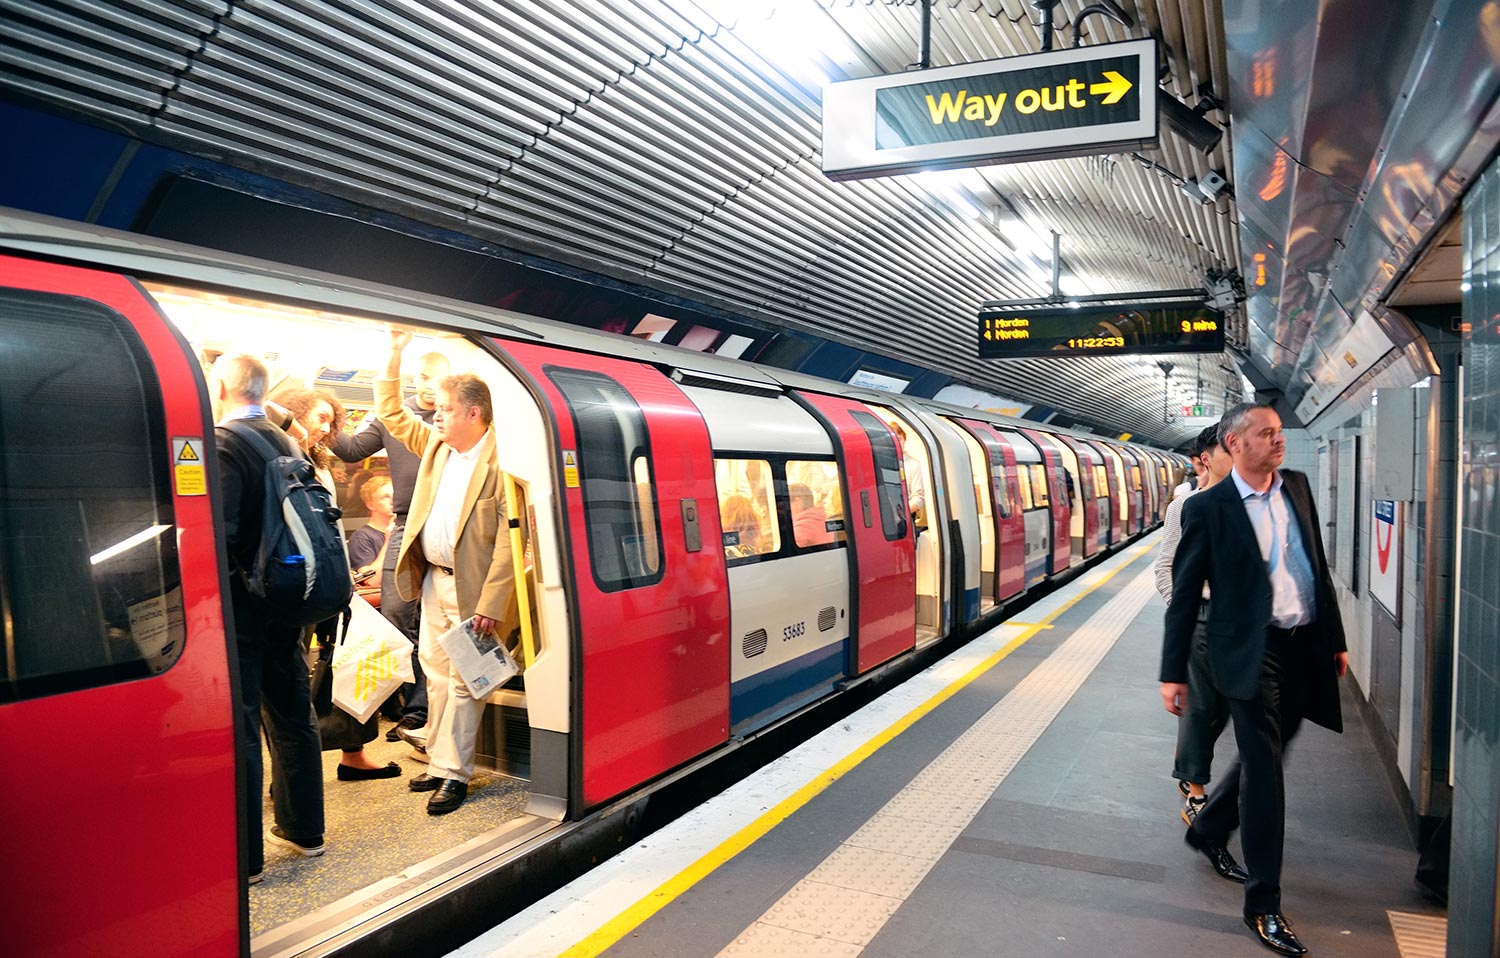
1275	648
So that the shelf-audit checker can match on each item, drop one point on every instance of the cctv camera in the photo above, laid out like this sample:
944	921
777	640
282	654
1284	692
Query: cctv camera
1213	184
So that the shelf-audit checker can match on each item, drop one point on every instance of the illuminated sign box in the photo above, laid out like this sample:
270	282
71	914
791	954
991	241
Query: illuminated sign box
1099	99
1100	331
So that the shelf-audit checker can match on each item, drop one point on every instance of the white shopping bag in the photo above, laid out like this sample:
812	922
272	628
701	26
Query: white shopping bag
372	661
479	658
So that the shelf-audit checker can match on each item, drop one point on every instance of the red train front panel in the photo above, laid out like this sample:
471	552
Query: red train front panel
120	814
652	595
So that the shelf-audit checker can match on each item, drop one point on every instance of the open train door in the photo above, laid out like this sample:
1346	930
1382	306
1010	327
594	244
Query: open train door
1093	496
114	631
884	556
1010	524
1057	493
634	464
1114	481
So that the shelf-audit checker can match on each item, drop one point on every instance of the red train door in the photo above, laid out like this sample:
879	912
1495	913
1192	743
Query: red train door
1010	523
875	507
1116	495
1057	493
1088	496
114	632
651	640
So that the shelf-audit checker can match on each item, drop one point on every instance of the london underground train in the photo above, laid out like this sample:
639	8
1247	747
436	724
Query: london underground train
708	547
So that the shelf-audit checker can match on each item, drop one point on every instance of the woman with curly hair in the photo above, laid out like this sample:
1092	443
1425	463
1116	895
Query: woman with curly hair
320	414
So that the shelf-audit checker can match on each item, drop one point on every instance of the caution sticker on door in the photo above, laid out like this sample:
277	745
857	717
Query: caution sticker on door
570	469
189	476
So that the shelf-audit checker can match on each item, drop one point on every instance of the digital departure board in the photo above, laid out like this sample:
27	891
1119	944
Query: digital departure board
1100	331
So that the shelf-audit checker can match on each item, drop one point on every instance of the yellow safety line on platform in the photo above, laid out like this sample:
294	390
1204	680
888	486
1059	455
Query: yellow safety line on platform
636	915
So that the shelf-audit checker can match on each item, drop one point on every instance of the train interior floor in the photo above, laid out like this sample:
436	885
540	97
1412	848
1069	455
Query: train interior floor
1029	812
373	830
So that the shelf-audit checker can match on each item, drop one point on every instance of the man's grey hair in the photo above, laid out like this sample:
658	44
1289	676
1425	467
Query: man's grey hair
244	376
1236	419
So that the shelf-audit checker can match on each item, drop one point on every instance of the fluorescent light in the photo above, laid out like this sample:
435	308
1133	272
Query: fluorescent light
145	535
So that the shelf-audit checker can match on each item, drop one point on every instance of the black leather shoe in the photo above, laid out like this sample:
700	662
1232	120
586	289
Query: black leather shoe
424	783
348	773
1275	932
449	796
1218	856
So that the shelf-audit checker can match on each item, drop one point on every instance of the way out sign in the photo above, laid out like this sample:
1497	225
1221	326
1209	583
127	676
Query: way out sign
1099	99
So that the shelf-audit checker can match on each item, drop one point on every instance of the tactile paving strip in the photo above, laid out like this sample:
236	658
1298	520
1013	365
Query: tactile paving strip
846	900
1419	936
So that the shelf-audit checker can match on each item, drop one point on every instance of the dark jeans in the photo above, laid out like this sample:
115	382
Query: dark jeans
275	695
1252	794
404	615
1205	716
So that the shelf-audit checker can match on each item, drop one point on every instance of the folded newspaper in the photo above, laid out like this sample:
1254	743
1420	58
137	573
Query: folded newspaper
478	657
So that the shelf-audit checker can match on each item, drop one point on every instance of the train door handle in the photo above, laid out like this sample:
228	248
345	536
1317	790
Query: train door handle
691	533
864	504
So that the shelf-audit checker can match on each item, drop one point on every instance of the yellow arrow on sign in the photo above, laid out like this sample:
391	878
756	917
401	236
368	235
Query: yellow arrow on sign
1116	87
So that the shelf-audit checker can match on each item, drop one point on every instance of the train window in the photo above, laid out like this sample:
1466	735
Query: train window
817	505
90	590
1023	483
1135	478
747	507
1101	482
614	468
1002	488
1039	484
887	475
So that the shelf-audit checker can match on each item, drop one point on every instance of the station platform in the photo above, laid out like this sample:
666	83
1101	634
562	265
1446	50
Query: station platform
1014	799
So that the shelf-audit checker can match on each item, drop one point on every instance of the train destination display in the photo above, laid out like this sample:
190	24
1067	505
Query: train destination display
1100	331
1098	99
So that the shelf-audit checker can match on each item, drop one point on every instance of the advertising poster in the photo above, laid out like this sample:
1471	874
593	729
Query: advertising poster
1385	556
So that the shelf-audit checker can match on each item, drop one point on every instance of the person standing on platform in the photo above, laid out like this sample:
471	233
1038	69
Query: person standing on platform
401	463
454	557
1206	712
273	678
1276	649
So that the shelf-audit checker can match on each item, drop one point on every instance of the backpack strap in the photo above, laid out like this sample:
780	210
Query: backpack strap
268	452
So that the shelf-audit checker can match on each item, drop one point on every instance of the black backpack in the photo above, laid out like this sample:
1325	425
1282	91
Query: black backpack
301	569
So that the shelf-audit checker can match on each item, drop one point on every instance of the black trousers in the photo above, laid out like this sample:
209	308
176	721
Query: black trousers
1251	796
1203	719
404	615
275	696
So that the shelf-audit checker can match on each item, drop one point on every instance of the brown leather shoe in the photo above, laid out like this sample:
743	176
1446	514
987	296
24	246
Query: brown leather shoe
1275	932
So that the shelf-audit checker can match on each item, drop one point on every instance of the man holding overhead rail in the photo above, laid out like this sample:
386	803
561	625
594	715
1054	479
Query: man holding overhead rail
1205	714
1275	649
402	464
452	555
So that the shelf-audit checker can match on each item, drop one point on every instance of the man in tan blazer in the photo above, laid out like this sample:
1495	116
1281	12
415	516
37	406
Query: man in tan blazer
452	555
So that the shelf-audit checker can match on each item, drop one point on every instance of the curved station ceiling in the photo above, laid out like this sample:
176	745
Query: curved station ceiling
676	145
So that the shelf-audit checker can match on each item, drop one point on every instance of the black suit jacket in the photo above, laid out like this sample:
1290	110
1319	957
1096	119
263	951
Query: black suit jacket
1218	547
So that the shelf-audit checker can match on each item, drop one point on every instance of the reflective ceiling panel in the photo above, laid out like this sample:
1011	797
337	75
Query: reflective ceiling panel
675	144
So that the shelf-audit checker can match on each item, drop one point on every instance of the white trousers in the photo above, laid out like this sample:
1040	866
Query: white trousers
453	715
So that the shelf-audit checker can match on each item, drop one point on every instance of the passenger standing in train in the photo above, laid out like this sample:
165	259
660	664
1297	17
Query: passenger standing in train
454	557
1205	714
1275	647
273	678
809	520
402	464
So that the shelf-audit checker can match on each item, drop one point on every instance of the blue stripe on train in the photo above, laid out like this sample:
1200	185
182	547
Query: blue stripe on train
778	690
971	605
